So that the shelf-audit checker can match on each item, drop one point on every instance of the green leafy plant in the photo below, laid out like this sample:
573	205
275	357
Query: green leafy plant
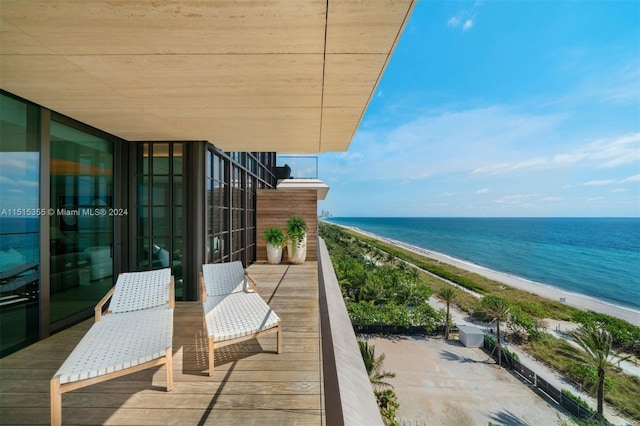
388	405
447	294
275	236
296	229
596	353
498	310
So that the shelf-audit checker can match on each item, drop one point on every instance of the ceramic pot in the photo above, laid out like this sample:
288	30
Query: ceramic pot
274	254
299	255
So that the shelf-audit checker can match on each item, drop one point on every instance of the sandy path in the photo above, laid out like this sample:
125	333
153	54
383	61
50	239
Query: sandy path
444	383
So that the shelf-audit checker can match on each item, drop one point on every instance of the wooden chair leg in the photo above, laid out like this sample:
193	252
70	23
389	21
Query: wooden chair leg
56	402
169	357
211	355
279	333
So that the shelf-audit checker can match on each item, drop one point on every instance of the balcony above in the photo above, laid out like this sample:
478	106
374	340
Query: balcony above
297	184
295	172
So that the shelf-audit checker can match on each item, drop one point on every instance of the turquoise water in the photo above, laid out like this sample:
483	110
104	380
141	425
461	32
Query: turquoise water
596	257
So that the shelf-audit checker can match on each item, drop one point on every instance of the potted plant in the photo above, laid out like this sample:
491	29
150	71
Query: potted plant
275	239
297	240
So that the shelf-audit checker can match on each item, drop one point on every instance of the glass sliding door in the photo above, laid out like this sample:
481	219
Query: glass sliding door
81	239
158	210
19	224
217	208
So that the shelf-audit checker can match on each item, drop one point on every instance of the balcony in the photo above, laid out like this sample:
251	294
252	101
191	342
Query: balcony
297	166
319	378
300	172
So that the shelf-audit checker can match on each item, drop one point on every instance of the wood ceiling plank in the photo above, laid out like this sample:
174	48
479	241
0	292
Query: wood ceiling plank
243	74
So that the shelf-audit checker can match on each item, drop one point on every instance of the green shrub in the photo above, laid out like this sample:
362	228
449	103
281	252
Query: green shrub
275	236
624	334
577	399
388	405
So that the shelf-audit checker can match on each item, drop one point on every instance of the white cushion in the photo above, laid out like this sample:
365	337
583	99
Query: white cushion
117	342
223	278
237	315
141	290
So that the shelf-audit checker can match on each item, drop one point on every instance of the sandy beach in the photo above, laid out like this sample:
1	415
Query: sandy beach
572	299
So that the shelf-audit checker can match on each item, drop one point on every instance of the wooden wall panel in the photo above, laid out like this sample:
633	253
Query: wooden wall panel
275	206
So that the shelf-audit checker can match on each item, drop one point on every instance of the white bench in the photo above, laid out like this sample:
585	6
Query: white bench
233	310
134	334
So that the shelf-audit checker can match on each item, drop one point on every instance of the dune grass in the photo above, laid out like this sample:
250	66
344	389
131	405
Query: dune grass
624	389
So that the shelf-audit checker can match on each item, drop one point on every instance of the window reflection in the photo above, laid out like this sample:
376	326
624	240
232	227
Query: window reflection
19	224
81	240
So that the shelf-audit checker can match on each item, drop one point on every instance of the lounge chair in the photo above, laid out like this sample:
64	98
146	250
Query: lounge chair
134	334
233	310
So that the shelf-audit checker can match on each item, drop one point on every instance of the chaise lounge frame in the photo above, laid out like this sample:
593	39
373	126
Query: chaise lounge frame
235	287
146	310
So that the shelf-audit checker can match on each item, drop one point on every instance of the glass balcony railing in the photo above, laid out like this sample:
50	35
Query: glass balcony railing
297	167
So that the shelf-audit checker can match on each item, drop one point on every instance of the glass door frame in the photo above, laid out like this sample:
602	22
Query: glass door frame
118	230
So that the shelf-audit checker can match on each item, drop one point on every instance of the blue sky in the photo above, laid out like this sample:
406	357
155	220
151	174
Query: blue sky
496	108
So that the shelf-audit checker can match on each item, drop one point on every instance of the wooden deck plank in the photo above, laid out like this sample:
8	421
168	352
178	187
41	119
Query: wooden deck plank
251	384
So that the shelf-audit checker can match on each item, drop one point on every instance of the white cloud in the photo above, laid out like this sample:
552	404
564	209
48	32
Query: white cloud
482	191
634	178
454	21
622	87
518	199
18	162
509	167
447	194
607	153
630	179
599	182
441	143
19	182
463	20
620	190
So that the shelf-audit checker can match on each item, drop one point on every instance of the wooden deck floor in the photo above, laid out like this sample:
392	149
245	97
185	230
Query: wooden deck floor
251	385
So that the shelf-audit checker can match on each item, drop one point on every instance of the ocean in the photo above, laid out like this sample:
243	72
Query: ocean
595	257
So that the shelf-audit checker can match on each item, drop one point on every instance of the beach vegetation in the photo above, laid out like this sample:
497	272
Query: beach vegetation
581	402
587	376
504	349
624	336
393	318
622	389
523	326
388	405
386	398
379	295
498	309
596	353
374	366
447	294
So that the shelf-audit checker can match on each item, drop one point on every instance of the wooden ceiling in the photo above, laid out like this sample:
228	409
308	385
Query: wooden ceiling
288	76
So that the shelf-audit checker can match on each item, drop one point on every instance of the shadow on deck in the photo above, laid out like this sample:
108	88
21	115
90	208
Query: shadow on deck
251	384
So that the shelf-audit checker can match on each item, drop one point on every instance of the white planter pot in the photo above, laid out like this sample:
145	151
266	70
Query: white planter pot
274	254
300	254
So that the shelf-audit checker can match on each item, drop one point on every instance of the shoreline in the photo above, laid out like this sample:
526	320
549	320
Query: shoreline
552	293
